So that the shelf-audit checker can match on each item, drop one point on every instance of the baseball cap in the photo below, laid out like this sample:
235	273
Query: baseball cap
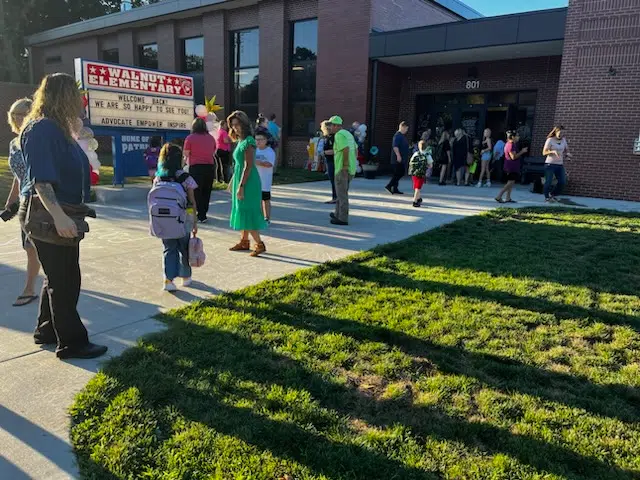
335	120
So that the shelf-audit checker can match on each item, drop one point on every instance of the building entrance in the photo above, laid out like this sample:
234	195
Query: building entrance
499	111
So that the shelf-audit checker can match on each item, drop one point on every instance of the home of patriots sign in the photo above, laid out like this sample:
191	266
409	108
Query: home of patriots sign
121	96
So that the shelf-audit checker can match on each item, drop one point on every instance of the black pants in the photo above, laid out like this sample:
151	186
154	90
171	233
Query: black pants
398	173
331	170
58	316
225	157
204	176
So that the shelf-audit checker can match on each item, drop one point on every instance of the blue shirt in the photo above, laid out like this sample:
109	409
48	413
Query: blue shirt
274	129
51	158
400	141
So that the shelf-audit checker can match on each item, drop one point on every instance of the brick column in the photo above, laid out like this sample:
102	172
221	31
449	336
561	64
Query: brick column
215	59
168	56
598	101
343	59
272	57
126	48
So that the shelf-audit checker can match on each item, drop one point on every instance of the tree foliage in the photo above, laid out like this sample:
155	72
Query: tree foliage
21	18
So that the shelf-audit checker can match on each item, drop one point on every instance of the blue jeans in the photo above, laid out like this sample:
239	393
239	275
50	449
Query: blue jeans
176	258
550	171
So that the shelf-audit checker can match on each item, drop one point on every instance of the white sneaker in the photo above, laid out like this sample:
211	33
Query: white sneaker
186	282
488	184
479	185
169	286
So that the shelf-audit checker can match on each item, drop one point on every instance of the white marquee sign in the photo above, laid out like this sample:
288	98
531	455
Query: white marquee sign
129	97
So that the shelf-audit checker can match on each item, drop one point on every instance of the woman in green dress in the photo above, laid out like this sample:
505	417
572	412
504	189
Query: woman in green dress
246	189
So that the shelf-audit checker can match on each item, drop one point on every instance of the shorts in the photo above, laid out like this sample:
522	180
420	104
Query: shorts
486	157
266	196
513	176
418	182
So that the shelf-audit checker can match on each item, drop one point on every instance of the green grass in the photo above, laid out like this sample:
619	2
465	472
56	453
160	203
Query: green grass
503	346
6	179
286	176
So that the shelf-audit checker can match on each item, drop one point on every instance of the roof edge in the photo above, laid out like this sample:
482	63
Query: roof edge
461	9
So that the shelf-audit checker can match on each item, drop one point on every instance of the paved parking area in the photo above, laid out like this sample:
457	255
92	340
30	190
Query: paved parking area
122	279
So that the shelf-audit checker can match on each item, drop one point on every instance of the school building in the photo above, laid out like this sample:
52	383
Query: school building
434	63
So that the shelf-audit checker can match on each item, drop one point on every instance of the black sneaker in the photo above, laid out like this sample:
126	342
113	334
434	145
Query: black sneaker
335	221
420	201
416	204
90	350
398	192
388	189
332	215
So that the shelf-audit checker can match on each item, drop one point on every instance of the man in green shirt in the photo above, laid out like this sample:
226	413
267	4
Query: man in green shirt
344	148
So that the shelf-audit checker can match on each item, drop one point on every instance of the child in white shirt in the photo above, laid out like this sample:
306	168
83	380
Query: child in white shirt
265	160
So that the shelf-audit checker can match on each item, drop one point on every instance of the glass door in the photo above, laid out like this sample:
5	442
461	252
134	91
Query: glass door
471	120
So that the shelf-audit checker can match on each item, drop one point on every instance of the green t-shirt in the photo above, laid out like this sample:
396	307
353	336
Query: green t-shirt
342	140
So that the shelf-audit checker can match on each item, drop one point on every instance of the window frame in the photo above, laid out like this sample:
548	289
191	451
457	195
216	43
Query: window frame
141	48
234	68
292	104
110	50
183	54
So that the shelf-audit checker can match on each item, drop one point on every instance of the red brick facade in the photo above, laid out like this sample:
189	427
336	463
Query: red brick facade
599	108
398	88
389	15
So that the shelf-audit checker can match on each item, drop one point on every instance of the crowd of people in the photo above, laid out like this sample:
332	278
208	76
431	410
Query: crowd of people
471	162
51	186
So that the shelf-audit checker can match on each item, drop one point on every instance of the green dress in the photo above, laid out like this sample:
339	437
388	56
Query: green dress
246	214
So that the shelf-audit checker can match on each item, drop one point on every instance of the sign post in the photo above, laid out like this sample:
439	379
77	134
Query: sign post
133	105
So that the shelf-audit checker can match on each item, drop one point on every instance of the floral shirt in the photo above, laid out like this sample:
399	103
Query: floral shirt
17	164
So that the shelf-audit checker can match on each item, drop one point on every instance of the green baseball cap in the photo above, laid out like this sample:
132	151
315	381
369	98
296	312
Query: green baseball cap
335	120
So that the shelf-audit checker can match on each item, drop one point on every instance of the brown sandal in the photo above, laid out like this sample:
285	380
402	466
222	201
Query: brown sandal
259	249
243	246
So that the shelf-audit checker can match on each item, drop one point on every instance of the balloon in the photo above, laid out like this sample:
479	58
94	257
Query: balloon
95	177
93	160
210	126
92	145
201	111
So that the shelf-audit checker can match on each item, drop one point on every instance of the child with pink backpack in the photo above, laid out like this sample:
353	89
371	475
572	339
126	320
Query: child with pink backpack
172	215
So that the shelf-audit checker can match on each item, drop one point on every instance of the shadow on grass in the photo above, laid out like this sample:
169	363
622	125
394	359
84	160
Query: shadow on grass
170	384
583	254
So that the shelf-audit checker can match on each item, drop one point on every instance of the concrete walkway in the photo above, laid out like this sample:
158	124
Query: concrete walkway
122	282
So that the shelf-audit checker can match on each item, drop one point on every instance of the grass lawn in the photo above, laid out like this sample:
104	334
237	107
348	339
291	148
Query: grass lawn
423	359
503	346
6	179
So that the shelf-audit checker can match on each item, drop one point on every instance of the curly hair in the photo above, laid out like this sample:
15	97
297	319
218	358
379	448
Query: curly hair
58	99
244	123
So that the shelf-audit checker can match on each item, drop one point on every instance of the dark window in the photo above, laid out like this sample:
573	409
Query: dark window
245	71
193	55
502	98
302	77
527	98
52	60
148	56
112	55
193	65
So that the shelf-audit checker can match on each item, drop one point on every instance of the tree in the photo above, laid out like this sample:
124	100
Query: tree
19	19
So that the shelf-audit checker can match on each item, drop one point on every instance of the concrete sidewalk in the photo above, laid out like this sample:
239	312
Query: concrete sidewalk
122	279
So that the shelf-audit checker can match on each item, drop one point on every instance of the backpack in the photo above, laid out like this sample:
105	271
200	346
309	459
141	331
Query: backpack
167	203
197	256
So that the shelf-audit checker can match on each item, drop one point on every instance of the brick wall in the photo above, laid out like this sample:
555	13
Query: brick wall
601	112
389	15
403	85
9	93
343	59
67	52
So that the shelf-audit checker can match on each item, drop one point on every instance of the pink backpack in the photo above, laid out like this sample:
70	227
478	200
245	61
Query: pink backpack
196	252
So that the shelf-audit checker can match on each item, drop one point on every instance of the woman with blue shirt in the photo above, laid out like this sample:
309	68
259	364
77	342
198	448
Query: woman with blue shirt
17	113
58	173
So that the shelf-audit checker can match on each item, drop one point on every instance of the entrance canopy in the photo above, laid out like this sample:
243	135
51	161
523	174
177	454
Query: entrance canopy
531	34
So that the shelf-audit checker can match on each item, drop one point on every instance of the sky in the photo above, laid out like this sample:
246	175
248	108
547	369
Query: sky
490	8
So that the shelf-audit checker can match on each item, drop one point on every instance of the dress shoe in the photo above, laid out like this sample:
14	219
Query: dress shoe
90	350
335	221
